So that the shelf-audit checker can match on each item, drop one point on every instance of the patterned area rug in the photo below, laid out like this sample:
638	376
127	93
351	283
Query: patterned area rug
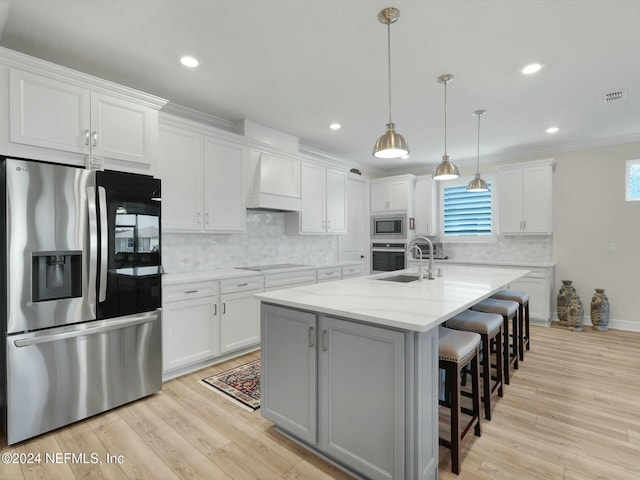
240	384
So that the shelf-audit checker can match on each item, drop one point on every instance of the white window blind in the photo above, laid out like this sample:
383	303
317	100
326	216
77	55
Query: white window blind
466	213
632	180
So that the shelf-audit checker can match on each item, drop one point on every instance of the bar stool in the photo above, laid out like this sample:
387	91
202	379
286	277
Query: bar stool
509	312
490	327
456	350
523	301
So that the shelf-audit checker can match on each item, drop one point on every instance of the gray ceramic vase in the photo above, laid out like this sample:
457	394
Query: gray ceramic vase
600	310
575	314
565	295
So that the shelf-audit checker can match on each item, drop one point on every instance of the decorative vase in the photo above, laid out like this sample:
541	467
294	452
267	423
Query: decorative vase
575	314
600	310
567	292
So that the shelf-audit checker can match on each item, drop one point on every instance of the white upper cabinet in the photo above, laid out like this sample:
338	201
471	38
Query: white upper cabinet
425	206
392	194
525	198
324	202
180	169
65	116
224	200
202	179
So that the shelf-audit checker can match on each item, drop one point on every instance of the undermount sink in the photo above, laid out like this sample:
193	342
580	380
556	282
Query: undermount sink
400	278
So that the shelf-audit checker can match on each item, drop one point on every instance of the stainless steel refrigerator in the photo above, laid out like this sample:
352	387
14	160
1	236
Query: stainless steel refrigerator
80	293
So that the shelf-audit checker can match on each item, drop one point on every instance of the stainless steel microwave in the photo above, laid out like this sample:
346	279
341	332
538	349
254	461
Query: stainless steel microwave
389	226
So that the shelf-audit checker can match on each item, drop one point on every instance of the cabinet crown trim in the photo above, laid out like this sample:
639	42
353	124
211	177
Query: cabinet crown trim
550	162
27	63
394	178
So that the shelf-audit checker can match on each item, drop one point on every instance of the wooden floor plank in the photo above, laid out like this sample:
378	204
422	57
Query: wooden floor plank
572	412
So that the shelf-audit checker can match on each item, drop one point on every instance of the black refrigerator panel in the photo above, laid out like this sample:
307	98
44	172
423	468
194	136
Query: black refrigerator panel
129	276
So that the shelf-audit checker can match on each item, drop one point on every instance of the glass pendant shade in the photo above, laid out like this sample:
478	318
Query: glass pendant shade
477	185
446	170
390	144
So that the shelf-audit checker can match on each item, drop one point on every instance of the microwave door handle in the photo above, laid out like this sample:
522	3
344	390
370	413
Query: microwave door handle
93	245
104	246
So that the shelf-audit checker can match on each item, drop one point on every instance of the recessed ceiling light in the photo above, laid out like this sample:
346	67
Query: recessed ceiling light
335	126
189	61
531	68
552	129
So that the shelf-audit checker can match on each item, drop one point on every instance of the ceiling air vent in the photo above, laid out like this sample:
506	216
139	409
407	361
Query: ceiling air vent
614	97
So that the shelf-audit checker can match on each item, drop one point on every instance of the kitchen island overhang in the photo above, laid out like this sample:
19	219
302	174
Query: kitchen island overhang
350	368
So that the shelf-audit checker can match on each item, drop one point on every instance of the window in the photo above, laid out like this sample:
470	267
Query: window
467	216
632	180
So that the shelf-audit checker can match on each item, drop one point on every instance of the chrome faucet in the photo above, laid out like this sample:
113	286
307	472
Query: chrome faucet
420	270
430	270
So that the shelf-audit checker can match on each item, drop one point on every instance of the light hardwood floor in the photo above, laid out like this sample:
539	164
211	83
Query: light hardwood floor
572	412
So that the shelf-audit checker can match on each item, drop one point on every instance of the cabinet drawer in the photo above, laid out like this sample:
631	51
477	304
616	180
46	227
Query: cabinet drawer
186	291
329	273
351	271
289	278
241	284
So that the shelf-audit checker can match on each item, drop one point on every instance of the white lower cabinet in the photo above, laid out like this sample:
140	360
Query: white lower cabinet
539	289
190	324
358	391
239	313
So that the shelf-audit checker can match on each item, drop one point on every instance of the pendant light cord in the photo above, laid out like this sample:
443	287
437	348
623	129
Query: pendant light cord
478	158
445	117
389	64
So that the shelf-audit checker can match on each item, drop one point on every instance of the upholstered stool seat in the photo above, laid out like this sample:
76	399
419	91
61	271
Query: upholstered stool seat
523	301
490	327
509	312
456	350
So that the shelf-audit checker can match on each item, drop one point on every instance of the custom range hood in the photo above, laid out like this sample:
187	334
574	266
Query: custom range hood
273	183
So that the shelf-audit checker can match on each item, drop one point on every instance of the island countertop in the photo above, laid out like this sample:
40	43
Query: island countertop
415	306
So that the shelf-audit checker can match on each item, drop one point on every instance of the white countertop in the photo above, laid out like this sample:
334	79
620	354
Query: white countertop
417	306
224	273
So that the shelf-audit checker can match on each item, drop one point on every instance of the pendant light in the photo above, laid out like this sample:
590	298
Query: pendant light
478	184
390	144
446	170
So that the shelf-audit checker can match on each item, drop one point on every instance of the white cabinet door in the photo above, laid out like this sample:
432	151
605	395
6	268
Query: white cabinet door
510	206
289	381
539	308
355	243
189	331
224	201
398	195
425	206
48	113
379	199
121	129
336	201
361	395
180	169
313	215
537	198
239	321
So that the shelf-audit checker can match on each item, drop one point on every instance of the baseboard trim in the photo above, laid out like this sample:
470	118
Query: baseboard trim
178	372
614	324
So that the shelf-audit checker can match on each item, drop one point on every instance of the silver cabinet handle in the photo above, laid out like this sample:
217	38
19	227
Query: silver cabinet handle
224	307
311	336
198	214
324	341
86	137
104	244
206	218
242	285
215	309
191	291
95	138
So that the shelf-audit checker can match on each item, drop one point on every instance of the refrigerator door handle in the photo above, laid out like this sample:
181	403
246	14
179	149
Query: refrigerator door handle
104	244
93	245
105	326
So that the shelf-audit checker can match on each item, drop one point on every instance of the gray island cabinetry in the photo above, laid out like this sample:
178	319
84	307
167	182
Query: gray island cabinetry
350	368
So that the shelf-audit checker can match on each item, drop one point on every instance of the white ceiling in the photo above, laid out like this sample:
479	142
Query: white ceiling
299	65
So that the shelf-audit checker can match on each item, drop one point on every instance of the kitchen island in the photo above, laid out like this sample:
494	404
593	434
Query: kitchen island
350	368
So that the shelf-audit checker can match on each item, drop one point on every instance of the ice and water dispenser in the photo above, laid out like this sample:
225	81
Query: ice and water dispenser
56	275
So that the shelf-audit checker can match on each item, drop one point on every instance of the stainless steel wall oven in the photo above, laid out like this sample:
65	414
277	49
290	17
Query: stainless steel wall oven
386	257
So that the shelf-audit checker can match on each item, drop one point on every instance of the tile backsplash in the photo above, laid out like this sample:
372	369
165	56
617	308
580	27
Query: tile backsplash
264	242
508	248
